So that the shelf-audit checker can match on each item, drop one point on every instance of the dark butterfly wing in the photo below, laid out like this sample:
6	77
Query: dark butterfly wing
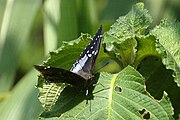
59	75
81	72
85	64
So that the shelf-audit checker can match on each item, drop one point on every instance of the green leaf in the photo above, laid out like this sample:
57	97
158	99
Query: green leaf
133	24
123	35
168	45
66	55
49	93
145	48
122	96
51	21
16	23
68	26
22	104
87	15
127	51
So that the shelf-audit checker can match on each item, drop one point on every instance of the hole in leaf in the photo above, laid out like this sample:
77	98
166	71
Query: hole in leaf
142	111
145	114
118	89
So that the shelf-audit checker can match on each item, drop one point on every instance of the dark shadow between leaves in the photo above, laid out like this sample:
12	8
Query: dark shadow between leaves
160	79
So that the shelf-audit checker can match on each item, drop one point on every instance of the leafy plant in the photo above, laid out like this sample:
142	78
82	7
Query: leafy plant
147	66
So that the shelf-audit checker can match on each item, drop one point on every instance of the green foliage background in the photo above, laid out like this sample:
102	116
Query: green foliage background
29	29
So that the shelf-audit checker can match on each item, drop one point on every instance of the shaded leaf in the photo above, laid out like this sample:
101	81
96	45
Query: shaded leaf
145	48
168	45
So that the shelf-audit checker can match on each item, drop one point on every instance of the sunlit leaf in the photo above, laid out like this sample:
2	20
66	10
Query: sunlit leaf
133	24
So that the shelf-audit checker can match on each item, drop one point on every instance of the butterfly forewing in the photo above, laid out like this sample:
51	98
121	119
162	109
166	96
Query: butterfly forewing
85	64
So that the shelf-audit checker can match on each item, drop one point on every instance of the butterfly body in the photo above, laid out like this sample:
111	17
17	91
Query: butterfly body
80	74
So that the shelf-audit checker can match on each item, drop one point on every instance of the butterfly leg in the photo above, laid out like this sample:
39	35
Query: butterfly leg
99	84
103	87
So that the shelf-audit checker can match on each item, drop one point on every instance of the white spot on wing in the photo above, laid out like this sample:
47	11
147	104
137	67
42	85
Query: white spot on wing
89	55
80	64
93	52
96	52
47	67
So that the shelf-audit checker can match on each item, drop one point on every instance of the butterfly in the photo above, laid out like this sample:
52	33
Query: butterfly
81	73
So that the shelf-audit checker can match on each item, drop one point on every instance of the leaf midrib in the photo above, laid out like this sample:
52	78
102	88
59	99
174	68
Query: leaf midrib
110	95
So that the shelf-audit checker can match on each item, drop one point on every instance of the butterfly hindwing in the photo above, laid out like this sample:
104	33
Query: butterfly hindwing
59	75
